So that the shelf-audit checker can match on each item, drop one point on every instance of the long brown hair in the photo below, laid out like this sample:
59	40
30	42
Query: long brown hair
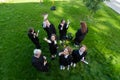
83	27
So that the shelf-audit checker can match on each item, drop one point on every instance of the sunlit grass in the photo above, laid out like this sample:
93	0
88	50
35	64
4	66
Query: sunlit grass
59	11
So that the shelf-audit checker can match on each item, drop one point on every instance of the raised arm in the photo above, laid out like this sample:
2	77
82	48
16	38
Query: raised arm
53	27
47	40
37	33
68	22
61	53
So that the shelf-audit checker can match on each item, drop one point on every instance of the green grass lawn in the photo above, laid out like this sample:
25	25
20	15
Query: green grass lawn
16	50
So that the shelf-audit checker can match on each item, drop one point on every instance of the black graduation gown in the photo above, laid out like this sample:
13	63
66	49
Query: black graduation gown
53	48
76	56
65	61
34	40
63	32
50	30
79	36
38	63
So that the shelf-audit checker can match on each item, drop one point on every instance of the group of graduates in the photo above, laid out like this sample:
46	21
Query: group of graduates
67	57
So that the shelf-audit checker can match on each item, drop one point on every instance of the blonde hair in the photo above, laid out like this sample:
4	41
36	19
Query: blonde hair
69	49
84	46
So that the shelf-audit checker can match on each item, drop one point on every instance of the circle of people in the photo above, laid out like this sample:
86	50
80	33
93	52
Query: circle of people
67	57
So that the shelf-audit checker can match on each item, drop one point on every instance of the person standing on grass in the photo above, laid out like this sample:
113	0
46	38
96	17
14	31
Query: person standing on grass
52	45
33	36
39	61
80	34
48	27
65	58
63	26
79	55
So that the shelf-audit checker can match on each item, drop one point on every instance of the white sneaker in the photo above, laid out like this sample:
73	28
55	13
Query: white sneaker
74	65
63	68
68	68
71	64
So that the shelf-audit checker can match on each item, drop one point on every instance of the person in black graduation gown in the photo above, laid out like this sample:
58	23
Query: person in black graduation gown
48	27
39	61
33	36
65	58
79	55
52	45
80	34
63	26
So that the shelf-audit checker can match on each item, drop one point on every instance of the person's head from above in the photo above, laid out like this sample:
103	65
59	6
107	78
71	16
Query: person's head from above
53	37
62	21
83	48
31	30
67	50
83	26
37	53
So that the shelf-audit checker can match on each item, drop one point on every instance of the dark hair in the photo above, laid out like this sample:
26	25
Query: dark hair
83	27
30	30
62	20
53	35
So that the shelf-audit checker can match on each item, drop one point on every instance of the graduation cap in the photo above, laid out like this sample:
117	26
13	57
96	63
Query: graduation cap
53	7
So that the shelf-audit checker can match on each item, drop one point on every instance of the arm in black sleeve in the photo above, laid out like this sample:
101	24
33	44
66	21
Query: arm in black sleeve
54	30
66	25
78	33
69	59
84	54
59	26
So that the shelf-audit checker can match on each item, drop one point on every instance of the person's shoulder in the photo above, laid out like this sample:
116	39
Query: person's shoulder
29	34
41	55
59	25
75	50
70	55
79	30
85	52
34	59
65	24
51	24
